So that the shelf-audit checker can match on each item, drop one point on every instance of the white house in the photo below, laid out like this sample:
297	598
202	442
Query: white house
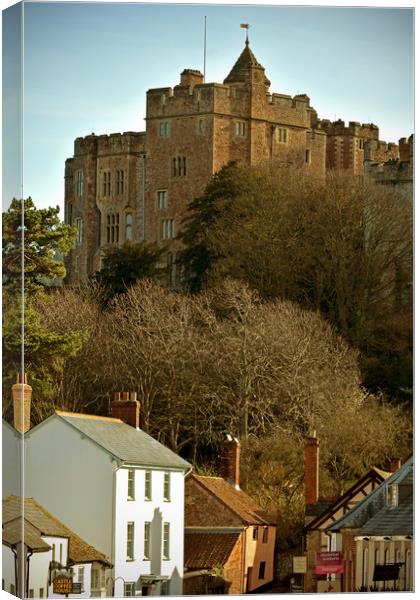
116	487
46	548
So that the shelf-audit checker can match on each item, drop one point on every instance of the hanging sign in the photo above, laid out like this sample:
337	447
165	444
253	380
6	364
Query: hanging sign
62	585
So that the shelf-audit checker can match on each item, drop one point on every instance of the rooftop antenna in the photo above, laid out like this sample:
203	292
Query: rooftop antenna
246	26
205	40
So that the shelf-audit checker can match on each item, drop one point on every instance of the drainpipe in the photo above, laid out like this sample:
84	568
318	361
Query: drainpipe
16	570
28	556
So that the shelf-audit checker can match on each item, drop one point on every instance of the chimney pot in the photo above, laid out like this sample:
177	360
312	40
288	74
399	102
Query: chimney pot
22	396
117	396
126	396
133	395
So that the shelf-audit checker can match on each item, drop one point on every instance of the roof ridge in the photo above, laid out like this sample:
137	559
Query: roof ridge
66	413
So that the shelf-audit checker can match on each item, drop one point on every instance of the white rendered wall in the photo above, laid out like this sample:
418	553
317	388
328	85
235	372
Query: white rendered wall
8	568
11	461
156	511
73	479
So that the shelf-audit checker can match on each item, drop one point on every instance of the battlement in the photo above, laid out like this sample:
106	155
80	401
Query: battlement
129	141
405	147
339	127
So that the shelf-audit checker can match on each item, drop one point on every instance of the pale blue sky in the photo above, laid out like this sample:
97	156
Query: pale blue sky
88	66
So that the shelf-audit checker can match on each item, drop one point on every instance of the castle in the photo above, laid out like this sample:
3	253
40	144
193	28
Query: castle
137	185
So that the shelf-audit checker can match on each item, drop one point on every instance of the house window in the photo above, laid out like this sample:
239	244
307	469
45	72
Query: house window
307	156
179	166
201	126
130	484
130	541
79	230
79	183
255	533
240	128
365	567
129	588
106	183
129	226
113	228
120	182
392	495
167	487
41	592
265	535
164	129
281	135
31	593
168	229
94	579
162	199
261	570
165	549
148	485
146	551
81	575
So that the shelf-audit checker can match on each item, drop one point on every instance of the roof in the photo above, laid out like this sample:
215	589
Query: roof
42	523
372	515
323	510
208	550
237	501
245	62
123	441
12	534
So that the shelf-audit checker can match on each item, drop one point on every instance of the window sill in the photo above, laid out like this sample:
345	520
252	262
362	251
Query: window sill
130	560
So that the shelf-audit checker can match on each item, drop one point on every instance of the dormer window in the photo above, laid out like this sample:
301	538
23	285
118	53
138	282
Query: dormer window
392	495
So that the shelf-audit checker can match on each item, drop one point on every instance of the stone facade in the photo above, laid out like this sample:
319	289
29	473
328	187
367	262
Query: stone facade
137	186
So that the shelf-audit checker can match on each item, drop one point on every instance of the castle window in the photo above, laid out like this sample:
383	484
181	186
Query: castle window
79	230
307	156
261	570
164	129
281	135
201	126
106	183
69	213
120	182
361	144
112	228
240	128
168	229
79	183
162	199
129	226
179	166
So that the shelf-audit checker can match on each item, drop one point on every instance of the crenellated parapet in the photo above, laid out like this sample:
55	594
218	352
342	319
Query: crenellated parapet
354	128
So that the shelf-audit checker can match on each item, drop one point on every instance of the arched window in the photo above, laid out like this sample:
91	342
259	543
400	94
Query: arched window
129	226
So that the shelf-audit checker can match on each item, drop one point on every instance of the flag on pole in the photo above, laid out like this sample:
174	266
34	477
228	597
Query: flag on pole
244	25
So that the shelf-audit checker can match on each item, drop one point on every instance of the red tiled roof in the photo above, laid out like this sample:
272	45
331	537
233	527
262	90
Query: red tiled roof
237	501
208	550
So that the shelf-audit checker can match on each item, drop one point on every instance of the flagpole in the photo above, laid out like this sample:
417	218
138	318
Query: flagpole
205	40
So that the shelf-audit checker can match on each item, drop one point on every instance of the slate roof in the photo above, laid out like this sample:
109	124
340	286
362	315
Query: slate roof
237	501
372	515
12	534
130	445
245	61
208	550
42	523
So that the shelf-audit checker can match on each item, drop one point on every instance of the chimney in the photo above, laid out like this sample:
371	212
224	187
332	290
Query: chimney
230	452
22	395
395	464
191	77
126	407
311	469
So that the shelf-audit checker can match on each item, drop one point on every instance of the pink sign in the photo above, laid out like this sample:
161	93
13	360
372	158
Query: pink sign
329	563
